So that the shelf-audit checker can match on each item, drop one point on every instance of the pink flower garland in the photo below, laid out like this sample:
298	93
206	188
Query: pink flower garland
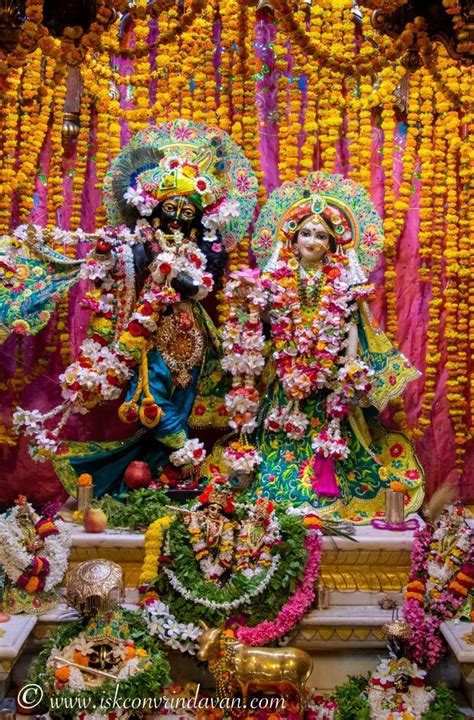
426	643
269	630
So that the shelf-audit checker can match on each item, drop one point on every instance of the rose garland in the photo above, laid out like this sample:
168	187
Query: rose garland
269	630
436	591
31	571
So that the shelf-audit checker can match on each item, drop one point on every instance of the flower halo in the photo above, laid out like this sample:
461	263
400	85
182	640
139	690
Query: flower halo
347	205
183	158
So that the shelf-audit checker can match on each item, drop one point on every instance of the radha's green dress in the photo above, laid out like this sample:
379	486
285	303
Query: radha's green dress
376	457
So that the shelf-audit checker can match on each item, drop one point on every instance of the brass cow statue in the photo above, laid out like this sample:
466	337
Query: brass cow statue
257	667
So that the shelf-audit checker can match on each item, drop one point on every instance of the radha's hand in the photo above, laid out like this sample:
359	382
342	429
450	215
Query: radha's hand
247	280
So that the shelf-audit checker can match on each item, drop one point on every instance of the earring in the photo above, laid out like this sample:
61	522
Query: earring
193	234
156	223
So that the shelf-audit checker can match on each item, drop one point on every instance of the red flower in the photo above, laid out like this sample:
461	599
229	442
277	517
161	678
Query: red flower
136	329
174	163
151	411
197	454
207	281
146	309
165	268
201	184
103	246
99	339
199	409
412	474
195	260
396	450
222	410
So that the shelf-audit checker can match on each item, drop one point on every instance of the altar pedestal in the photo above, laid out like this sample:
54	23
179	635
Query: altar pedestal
376	561
346	638
460	638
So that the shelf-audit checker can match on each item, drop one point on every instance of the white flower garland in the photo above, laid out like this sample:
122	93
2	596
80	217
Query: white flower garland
162	623
16	559
226	605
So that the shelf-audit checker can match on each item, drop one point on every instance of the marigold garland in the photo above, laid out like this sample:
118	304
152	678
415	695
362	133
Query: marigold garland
154	538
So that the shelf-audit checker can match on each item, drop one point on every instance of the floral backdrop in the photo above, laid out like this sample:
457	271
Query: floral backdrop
300	88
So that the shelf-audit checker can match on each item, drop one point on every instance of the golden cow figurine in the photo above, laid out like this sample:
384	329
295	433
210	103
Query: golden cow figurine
244	667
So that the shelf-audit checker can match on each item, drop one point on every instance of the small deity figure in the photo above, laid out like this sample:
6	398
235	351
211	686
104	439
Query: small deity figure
33	553
258	536
212	533
107	645
331	367
178	197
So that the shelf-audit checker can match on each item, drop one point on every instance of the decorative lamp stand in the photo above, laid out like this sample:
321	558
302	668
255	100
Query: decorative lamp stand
395	514
85	494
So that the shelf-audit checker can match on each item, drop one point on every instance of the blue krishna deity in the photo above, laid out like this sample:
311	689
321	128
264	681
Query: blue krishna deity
178	197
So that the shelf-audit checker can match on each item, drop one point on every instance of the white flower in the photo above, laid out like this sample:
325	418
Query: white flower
223	214
134	196
192	453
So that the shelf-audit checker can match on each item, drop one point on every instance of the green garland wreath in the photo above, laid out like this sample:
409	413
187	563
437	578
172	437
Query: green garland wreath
268	604
145	684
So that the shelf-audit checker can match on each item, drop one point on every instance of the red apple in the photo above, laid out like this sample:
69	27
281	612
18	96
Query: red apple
137	475
95	520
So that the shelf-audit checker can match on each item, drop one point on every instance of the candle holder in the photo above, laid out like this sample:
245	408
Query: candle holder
395	513
394	507
323	596
85	494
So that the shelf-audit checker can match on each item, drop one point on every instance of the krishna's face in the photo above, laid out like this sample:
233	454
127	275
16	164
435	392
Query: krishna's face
178	214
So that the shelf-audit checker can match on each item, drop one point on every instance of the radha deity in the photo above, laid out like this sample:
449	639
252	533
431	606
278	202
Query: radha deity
178	197
331	368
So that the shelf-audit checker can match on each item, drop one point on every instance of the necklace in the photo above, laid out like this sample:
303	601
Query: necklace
309	287
181	346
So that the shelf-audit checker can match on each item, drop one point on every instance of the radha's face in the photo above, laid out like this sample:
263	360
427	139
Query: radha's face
312	242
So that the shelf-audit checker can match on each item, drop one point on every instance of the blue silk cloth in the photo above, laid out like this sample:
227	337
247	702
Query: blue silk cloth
197	406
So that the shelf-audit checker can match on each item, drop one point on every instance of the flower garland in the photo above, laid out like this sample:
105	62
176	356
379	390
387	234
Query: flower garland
257	595
162	623
438	586
269	630
143	669
243	344
25	568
